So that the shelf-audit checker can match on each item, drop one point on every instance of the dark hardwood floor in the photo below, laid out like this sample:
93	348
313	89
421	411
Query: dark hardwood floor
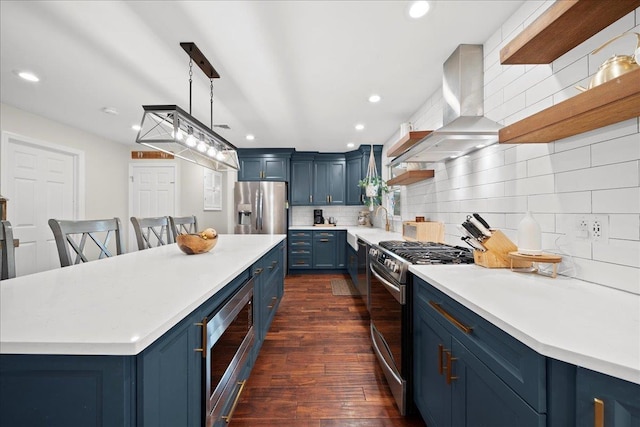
316	367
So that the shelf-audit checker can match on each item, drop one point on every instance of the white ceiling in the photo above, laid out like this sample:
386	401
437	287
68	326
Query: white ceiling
293	73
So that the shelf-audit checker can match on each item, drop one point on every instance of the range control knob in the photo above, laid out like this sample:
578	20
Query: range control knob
394	267
373	252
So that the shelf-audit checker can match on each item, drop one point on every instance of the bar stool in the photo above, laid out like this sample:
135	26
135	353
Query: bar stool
152	232
75	234
183	225
7	251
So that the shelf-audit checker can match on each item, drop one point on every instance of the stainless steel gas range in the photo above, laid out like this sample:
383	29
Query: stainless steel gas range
390	305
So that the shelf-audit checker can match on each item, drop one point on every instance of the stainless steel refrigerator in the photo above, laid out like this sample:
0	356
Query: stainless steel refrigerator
261	207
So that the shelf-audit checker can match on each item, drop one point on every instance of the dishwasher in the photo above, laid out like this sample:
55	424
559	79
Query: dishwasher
363	271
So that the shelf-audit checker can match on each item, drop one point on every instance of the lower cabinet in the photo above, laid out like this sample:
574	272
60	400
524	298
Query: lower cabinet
352	264
454	385
606	401
161	386
468	372
317	249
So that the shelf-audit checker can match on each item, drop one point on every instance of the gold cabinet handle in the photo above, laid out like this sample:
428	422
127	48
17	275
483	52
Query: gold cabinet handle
324	240
203	350
273	265
598	413
227	418
301	262
464	328
310	198
450	360
440	358
273	302
258	271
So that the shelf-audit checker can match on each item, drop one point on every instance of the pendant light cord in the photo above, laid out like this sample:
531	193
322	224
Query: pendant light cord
211	100
190	81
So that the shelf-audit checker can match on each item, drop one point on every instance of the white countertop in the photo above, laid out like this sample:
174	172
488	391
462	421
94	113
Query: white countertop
567	319
118	305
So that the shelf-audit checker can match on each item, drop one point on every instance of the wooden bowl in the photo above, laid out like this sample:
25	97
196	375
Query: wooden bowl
192	244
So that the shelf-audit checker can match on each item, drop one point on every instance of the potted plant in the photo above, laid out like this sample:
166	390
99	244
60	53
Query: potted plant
374	187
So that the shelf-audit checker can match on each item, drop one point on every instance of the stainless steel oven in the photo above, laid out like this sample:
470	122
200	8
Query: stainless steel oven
390	306
390	316
227	340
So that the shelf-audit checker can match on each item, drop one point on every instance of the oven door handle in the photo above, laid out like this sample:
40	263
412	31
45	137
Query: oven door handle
397	291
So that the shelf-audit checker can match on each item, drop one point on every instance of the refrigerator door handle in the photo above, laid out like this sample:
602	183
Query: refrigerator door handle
260	209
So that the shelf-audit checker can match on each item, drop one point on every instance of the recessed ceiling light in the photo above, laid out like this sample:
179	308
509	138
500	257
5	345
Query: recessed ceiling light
374	98
136	127
359	126
350	145
111	110
28	76
250	137
418	9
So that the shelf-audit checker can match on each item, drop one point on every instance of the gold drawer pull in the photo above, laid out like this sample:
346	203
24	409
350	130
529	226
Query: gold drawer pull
301	262
203	350
598	413
273	302
258	271
450	360
227	418
324	240
464	328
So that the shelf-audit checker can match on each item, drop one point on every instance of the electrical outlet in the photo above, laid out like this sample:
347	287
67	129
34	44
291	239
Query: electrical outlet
582	228
599	228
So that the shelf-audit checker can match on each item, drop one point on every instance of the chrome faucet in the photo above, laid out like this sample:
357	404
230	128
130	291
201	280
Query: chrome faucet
386	217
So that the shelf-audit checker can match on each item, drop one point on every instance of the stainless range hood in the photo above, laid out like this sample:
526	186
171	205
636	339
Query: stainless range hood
465	127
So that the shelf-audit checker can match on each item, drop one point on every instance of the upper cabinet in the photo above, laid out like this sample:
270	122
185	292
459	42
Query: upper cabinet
264	165
560	28
301	185
357	167
329	175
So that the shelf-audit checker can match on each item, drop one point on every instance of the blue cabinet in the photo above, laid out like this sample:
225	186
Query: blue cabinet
264	165
161	386
324	249
329	181
352	264
300	249
357	166
317	249
606	401
301	185
468	372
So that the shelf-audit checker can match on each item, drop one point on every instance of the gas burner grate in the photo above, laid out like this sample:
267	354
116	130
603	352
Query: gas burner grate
426	253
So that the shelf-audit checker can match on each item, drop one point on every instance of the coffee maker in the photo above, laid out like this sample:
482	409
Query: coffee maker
317	216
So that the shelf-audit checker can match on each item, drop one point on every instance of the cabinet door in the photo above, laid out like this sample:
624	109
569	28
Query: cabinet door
352	264
324	251
250	169
354	175
480	398
275	169
170	377
336	183
432	395
620	400
301	183
320	183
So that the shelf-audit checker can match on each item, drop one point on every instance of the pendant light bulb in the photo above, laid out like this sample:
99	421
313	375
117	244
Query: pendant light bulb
179	135
202	147
211	152
191	141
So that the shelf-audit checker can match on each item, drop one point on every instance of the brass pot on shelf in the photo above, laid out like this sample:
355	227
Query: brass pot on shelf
615	66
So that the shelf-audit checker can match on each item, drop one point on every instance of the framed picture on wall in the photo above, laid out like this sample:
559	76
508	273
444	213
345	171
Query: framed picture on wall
212	190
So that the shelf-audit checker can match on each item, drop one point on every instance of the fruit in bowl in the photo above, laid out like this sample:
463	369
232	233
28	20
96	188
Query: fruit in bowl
199	243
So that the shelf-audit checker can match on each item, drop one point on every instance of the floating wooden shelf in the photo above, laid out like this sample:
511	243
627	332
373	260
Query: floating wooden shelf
606	104
409	177
562	27
407	141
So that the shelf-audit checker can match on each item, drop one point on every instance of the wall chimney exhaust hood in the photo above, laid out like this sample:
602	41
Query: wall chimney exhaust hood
465	127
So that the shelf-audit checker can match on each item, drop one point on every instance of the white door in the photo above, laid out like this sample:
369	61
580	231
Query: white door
41	181
151	193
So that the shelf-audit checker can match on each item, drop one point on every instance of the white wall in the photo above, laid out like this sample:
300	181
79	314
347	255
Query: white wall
107	171
595	173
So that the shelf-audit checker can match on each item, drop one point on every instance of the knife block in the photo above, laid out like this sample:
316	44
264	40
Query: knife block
497	254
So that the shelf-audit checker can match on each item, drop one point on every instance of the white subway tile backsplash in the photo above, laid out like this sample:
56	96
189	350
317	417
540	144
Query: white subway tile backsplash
626	227
543	184
596	172
578	202
599	178
621	200
616	150
560	162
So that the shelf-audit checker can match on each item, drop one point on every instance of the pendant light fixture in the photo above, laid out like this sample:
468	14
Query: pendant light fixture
170	129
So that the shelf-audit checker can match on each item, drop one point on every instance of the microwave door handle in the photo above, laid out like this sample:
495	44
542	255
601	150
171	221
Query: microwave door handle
396	291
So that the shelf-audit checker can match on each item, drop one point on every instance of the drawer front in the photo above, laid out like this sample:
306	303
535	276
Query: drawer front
272	263
324	235
299	234
520	367
299	261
